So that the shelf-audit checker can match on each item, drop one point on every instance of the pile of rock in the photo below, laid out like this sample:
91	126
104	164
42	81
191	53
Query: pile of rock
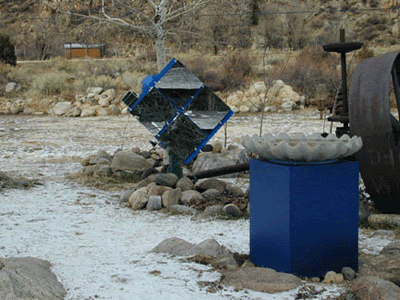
278	97
96	102
99	102
158	189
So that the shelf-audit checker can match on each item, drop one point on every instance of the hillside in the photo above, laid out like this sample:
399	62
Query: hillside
35	28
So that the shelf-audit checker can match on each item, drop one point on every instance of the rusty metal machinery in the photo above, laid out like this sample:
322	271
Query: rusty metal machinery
340	110
370	118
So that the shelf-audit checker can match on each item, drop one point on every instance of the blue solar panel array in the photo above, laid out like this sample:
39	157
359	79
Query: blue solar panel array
180	111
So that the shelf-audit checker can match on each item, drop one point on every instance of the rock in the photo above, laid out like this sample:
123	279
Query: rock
391	249
139	198
102	170
174	246
235	99
179	247
209	160
101	157
288	105
270	108
101	111
62	108
348	273
232	210
384	221
191	197
185	184
332	277
114	110
129	161
211	194
17	107
286	92
244	109
217	147
374	288
182	209
167	179
104	101
74	112
212	211
158	190
12	87
28	278
235	191
125	196
154	203
260	279
171	197
88	112
386	265
145	182
210	183
257	89
94	90
363	213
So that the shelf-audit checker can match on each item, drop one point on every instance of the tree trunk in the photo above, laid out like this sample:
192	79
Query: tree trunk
160	52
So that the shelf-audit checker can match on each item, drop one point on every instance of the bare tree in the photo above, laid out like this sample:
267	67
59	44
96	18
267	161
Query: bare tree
147	17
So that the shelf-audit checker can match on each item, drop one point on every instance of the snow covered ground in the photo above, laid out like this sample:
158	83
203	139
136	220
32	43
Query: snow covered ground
98	249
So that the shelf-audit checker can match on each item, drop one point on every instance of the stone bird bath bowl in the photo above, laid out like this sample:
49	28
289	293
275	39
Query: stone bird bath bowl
301	148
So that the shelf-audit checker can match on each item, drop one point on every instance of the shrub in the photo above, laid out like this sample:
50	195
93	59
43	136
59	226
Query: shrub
314	73
51	84
235	70
7	53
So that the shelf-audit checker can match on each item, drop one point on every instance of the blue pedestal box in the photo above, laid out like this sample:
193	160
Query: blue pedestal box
304	217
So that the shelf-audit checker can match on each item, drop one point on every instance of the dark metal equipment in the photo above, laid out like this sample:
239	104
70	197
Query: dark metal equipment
370	118
341	110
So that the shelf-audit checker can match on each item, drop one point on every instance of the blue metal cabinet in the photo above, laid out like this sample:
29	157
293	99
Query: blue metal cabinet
304	217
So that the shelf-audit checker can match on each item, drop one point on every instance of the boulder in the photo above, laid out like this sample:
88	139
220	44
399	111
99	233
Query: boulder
209	160
154	203
179	247
167	179
28	278
94	90
182	209
210	183
114	110
185	184
213	210
211	193
158	190
88	112
288	105
139	198
232	210
370	287
191	197
12	87
386	265
260	279
62	108
74	112
125	196
333	277
171	197
129	161
348	273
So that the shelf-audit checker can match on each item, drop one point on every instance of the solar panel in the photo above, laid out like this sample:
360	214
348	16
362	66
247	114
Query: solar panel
179	110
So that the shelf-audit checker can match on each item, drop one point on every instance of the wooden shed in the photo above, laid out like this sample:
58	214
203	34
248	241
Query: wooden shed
73	50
